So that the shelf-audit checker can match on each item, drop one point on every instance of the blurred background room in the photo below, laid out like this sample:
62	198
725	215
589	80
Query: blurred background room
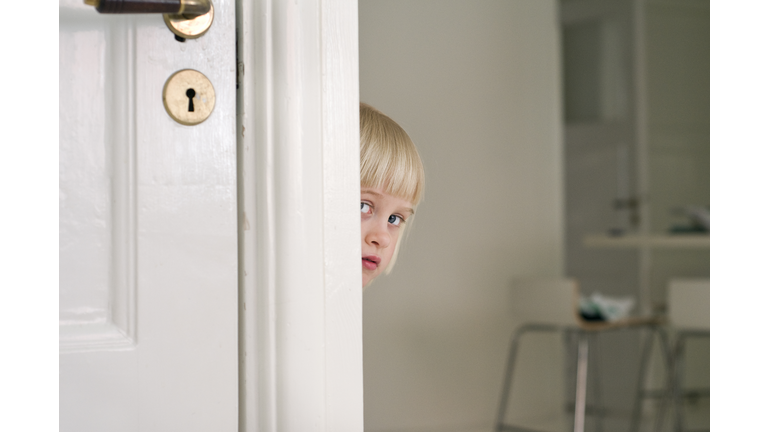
560	138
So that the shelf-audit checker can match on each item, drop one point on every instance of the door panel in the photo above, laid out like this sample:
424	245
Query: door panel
148	240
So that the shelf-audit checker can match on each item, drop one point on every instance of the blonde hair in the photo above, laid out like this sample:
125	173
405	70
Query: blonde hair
388	157
389	160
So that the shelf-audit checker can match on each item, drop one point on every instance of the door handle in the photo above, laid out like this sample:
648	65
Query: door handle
187	19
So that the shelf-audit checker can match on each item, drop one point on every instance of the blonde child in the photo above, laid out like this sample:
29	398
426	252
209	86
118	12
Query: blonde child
391	186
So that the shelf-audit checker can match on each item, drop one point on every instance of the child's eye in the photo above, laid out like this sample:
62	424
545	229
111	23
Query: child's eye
365	207
395	220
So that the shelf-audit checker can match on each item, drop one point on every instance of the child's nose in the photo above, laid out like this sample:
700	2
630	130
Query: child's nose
379	236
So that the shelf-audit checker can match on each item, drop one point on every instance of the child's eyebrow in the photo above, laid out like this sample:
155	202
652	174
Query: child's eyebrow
407	210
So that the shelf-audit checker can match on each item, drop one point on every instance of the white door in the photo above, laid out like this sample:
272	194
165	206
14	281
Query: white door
148	228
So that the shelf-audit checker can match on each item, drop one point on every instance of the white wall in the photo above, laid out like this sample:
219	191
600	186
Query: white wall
477	86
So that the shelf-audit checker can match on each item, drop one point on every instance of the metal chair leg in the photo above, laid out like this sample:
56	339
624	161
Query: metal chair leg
634	423
596	390
507	384
511	360
679	393
645	357
665	346
678	372
581	383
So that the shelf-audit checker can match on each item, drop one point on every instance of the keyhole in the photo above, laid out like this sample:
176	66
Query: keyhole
190	95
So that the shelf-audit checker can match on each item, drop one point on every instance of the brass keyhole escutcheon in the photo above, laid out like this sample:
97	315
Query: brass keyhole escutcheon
188	97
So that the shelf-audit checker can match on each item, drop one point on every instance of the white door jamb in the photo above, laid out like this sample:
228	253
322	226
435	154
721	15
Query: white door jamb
300	279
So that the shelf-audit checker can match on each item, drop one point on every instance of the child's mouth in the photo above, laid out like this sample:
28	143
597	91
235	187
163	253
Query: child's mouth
371	263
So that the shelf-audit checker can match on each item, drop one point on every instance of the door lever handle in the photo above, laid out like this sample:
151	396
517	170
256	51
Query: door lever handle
188	19
188	8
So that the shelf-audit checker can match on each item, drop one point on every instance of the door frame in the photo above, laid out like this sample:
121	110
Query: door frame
300	283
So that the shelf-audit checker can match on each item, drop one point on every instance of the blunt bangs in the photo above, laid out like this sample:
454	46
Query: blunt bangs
388	157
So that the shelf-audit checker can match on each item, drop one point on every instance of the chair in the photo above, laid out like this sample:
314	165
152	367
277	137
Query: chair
689	318
552	305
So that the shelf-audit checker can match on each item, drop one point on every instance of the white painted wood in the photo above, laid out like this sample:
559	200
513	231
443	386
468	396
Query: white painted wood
301	326
148	245
341	226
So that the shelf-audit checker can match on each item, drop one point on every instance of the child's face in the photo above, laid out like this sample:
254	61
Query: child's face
382	221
